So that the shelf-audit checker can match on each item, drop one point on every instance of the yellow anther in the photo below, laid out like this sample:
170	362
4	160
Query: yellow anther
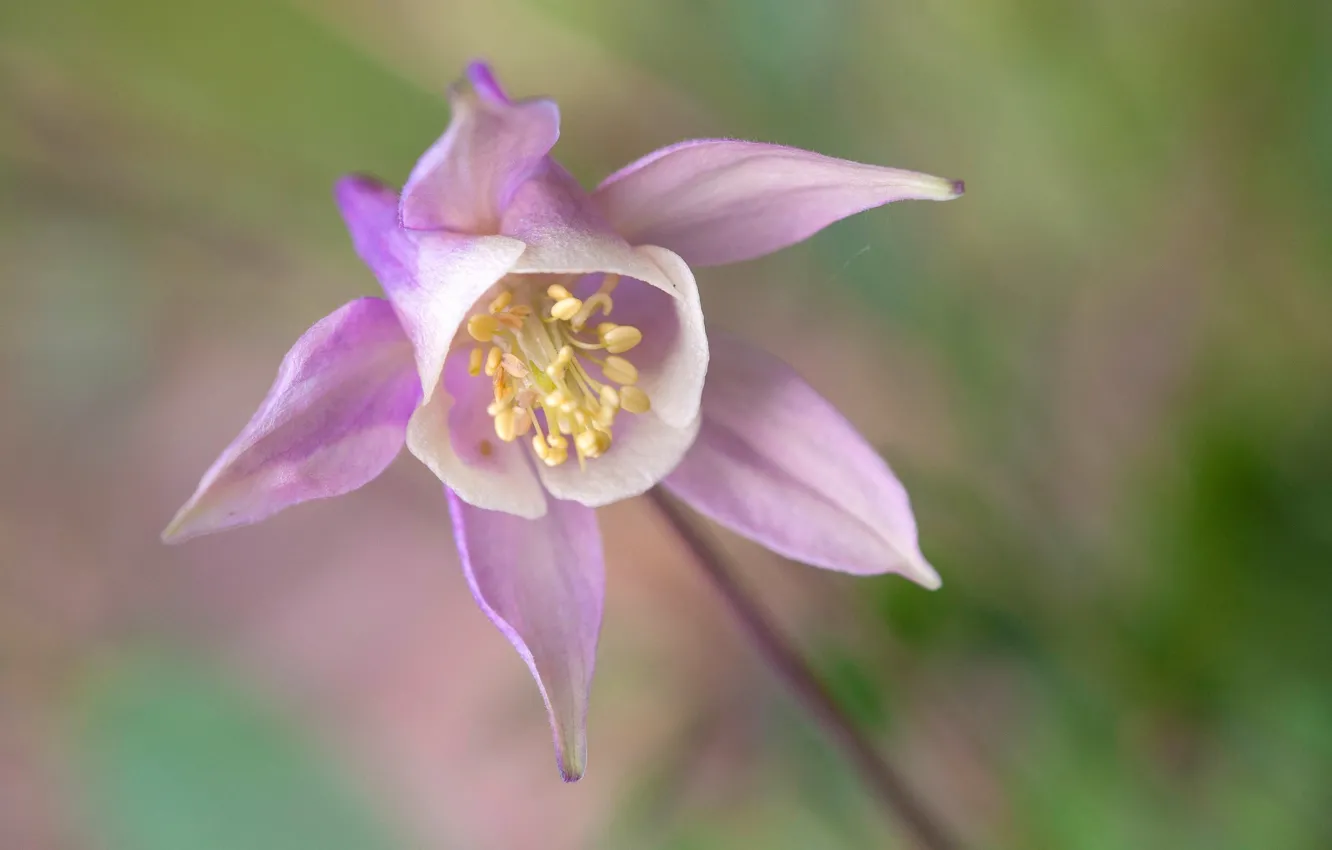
555	441
556	457
504	393
562	361
514	366
559	293
522	422
609	397
555	399
605	328
622	338
506	425
634	400
504	299
539	446
593	443
482	327
606	416
566	308
620	371
564	424
474	362
493	360
586	442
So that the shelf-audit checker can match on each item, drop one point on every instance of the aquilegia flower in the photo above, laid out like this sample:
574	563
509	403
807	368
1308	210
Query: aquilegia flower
542	351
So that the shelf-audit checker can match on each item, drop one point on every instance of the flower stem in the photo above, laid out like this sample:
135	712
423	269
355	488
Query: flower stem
882	779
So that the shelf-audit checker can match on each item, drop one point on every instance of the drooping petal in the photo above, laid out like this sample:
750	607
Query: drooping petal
454	436
542	583
333	420
715	201
775	462
565	235
644	450
463	181
432	278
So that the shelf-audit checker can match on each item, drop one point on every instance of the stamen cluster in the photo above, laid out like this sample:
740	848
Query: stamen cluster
536	349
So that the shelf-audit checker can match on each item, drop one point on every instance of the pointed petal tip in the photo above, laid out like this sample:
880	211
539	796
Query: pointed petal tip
920	186
355	181
918	570
179	529
571	756
941	188
571	774
171	535
925	576
482	78
187	524
350	189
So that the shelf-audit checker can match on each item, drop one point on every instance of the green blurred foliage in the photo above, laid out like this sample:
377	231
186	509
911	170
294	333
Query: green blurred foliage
177	758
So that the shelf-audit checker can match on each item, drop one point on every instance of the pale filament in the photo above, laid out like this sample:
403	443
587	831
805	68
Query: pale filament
535	347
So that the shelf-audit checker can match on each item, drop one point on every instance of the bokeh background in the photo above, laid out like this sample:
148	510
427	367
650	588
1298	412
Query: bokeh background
1105	375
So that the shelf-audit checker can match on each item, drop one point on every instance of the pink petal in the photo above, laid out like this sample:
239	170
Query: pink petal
673	379
542	582
463	181
432	278
715	201
564	234
645	449
671	362
454	436
775	462
333	420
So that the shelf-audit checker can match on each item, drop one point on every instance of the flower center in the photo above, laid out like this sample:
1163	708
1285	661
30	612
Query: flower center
536	349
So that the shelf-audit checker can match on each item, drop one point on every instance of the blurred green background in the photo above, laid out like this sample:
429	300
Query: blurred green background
1105	375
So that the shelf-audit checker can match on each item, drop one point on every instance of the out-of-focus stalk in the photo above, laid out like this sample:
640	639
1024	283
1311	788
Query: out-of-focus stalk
883	780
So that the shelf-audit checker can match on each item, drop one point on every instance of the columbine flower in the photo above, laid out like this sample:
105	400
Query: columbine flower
542	350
